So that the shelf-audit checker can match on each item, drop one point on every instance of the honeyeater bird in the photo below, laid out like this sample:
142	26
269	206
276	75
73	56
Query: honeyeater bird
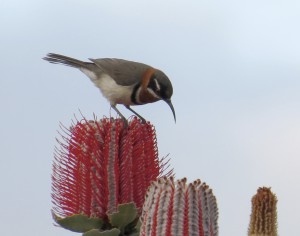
123	82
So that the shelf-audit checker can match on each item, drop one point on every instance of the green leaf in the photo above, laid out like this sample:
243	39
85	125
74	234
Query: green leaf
78	223
138	225
134	234
96	232
126	214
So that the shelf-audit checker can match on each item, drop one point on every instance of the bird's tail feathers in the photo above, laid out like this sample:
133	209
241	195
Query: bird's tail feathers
68	61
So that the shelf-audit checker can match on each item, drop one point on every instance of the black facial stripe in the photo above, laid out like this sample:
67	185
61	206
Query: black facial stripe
133	95
163	90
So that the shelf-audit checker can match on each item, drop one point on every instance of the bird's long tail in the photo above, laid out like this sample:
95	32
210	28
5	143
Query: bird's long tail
68	61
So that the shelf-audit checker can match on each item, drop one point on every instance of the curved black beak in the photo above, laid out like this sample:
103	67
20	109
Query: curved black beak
168	101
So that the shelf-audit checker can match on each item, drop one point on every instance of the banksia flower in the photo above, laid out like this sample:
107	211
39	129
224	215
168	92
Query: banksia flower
102	164
172	209
263	220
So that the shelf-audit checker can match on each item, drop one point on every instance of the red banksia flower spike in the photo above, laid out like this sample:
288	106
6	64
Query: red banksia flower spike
177	208
99	165
263	221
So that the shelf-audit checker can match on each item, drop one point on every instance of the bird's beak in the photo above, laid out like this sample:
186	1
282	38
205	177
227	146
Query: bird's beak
168	101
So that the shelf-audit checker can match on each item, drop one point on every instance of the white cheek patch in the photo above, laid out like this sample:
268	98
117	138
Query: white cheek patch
153	93
157	85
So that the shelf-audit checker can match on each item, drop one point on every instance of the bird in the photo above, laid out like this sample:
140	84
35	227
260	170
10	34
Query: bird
122	81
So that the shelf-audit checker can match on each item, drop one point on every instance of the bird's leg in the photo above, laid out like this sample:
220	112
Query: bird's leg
120	114
134	112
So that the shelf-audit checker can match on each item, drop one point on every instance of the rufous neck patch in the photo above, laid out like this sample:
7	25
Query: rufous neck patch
146	77
145	95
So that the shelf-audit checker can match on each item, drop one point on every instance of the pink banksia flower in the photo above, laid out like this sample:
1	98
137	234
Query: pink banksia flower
101	164
263	221
177	208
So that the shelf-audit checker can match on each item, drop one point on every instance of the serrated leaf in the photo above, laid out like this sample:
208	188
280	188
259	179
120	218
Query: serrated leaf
96	232
126	214
79	223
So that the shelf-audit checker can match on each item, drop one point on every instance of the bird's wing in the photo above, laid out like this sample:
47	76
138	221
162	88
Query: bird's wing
124	72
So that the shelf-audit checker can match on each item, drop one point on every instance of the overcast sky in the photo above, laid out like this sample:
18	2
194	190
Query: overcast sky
235	69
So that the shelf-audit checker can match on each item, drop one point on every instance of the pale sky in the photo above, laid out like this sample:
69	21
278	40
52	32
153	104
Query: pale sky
235	69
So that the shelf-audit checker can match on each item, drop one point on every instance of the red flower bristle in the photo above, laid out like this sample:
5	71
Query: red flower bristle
200	219
186	213
126	163
170	214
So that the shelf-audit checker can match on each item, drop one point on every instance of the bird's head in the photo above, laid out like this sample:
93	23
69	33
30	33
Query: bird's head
157	86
